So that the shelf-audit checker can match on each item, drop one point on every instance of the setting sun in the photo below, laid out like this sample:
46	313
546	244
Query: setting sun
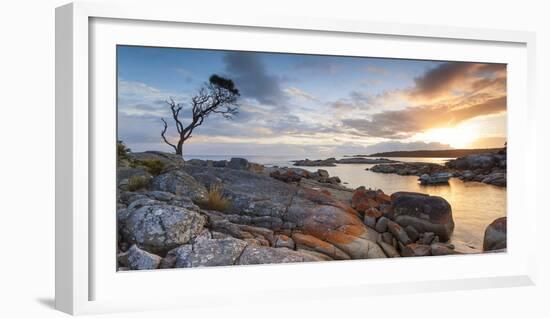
456	137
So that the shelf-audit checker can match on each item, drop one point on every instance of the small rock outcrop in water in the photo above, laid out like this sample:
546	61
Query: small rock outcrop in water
436	178
495	235
275	215
487	168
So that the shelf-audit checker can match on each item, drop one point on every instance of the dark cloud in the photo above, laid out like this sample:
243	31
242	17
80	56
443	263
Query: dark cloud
319	64
355	100
252	78
440	78
404	123
450	77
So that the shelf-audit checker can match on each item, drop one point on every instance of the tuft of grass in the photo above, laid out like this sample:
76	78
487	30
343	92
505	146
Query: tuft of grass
153	166
137	182
216	200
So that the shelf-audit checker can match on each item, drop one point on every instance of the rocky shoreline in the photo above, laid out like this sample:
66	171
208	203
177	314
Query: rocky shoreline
487	168
176	214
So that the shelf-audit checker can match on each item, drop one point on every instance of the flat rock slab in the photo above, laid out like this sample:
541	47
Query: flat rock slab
254	254
208	252
295	208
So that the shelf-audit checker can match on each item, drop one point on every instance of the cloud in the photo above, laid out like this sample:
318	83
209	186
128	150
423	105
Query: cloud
376	70
188	76
252	78
296	92
404	123
405	146
140	99
356	100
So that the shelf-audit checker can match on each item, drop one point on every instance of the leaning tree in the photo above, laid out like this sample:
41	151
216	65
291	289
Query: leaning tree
218	96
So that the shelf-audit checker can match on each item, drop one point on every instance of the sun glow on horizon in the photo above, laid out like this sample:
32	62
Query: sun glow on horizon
456	137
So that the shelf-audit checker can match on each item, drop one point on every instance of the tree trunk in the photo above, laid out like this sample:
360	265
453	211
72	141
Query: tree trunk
179	148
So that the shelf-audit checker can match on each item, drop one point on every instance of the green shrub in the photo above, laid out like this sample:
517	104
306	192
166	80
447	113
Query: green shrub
122	151
216	200
137	182
153	166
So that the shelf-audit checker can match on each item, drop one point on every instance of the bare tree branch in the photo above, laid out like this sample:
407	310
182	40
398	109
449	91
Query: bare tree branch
218	96
163	134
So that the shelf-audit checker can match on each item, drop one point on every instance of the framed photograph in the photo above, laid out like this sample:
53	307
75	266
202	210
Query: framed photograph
252	158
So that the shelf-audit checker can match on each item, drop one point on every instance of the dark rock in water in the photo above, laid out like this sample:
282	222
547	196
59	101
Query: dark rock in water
495	235
238	164
138	259
436	178
180	183
159	228
410	168
472	162
498	179
488	168
316	163
424	213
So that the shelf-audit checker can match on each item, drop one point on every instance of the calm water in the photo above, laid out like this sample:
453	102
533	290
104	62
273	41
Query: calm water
474	204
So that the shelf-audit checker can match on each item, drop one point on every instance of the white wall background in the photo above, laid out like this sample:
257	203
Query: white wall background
27	159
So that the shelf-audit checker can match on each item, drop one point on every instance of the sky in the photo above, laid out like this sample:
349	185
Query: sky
312	105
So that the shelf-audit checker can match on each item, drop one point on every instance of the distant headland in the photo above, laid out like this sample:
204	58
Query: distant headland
447	153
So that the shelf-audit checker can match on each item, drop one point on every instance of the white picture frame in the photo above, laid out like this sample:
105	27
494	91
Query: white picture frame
82	151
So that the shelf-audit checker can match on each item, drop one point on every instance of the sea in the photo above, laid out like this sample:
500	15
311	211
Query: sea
475	205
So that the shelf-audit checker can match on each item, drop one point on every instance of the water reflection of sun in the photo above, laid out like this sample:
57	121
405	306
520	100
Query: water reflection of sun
456	137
